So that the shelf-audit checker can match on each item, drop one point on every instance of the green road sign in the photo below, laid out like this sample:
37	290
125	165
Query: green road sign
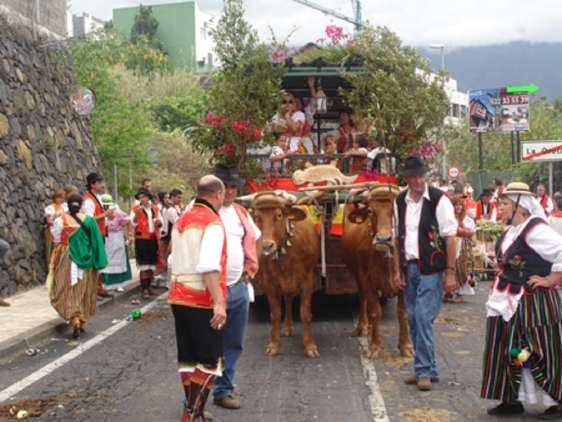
531	88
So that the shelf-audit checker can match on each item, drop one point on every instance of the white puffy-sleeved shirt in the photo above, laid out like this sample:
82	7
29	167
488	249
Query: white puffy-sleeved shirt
89	207
50	210
234	235
545	242
445	214
210	253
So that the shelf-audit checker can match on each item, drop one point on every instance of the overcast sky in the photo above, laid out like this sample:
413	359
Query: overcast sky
419	23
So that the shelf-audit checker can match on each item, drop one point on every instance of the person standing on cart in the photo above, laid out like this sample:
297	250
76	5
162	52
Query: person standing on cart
425	267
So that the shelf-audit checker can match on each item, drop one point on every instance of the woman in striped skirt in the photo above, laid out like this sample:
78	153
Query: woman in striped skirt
523	348
74	266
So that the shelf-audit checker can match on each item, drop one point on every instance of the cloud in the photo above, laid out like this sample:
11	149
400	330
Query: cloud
454	23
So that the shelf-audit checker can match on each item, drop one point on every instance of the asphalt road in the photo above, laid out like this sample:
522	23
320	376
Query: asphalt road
130	376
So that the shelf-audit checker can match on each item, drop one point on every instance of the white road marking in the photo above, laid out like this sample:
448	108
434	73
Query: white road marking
376	400
16	388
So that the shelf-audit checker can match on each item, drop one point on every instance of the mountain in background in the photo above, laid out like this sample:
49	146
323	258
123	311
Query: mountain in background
515	63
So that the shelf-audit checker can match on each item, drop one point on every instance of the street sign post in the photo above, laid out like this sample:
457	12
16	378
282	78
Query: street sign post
543	151
454	172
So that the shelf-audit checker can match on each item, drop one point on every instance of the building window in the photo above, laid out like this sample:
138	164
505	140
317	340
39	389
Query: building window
455	110
203	32
210	59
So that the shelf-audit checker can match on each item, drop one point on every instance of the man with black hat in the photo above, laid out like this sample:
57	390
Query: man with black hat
425	267
241	236
147	223
92	206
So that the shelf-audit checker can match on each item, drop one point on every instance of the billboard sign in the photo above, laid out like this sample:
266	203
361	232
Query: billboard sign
498	110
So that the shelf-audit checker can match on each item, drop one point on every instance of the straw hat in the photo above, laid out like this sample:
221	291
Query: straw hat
518	188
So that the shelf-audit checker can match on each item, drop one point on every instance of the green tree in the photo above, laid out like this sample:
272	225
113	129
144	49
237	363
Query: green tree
145	27
245	92
395	92
120	131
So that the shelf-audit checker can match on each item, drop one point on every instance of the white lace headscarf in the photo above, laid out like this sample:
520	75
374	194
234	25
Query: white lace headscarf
529	203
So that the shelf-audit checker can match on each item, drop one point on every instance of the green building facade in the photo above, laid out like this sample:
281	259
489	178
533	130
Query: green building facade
183	30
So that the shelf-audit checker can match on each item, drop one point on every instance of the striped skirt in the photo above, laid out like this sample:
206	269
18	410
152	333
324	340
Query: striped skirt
536	326
70	301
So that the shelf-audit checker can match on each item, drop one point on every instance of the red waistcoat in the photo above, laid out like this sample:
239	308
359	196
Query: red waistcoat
141	221
99	211
187	289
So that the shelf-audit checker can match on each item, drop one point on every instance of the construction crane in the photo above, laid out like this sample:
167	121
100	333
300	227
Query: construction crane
356	4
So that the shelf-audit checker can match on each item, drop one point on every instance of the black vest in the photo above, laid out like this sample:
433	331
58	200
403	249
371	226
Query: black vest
520	261
432	248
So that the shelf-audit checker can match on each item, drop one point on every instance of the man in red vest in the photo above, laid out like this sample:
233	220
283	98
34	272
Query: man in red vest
147	221
93	207
544	199
198	294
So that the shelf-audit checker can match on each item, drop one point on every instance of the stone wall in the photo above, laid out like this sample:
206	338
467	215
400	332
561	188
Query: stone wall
50	15
44	145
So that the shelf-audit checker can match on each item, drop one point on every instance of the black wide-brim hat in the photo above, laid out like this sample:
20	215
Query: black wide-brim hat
413	166
143	191
229	175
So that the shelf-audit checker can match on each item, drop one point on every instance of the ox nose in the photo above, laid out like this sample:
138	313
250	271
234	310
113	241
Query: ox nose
382	238
268	247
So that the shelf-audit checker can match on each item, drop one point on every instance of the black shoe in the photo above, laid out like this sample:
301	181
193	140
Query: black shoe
507	409
551	414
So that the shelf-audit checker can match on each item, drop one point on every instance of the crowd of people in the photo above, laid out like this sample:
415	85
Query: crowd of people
347	145
87	237
208	249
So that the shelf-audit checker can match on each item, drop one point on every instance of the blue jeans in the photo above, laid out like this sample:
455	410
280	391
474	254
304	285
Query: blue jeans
424	295
237	310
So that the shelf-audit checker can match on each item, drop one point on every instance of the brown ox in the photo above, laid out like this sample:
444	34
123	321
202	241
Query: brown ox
290	251
368	254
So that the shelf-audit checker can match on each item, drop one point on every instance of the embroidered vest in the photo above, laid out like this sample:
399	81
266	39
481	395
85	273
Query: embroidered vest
142	227
99	211
520	261
187	286
432	248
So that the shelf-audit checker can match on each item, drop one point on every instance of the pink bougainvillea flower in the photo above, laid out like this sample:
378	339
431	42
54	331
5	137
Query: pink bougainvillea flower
335	33
279	55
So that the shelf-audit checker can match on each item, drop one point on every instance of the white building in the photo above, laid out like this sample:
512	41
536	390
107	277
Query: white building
85	24
459	103
204	55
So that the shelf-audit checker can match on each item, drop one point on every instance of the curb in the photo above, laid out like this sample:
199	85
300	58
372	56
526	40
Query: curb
12	348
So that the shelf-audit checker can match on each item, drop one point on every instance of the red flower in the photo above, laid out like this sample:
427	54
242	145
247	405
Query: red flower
213	119
241	127
430	235
258	134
